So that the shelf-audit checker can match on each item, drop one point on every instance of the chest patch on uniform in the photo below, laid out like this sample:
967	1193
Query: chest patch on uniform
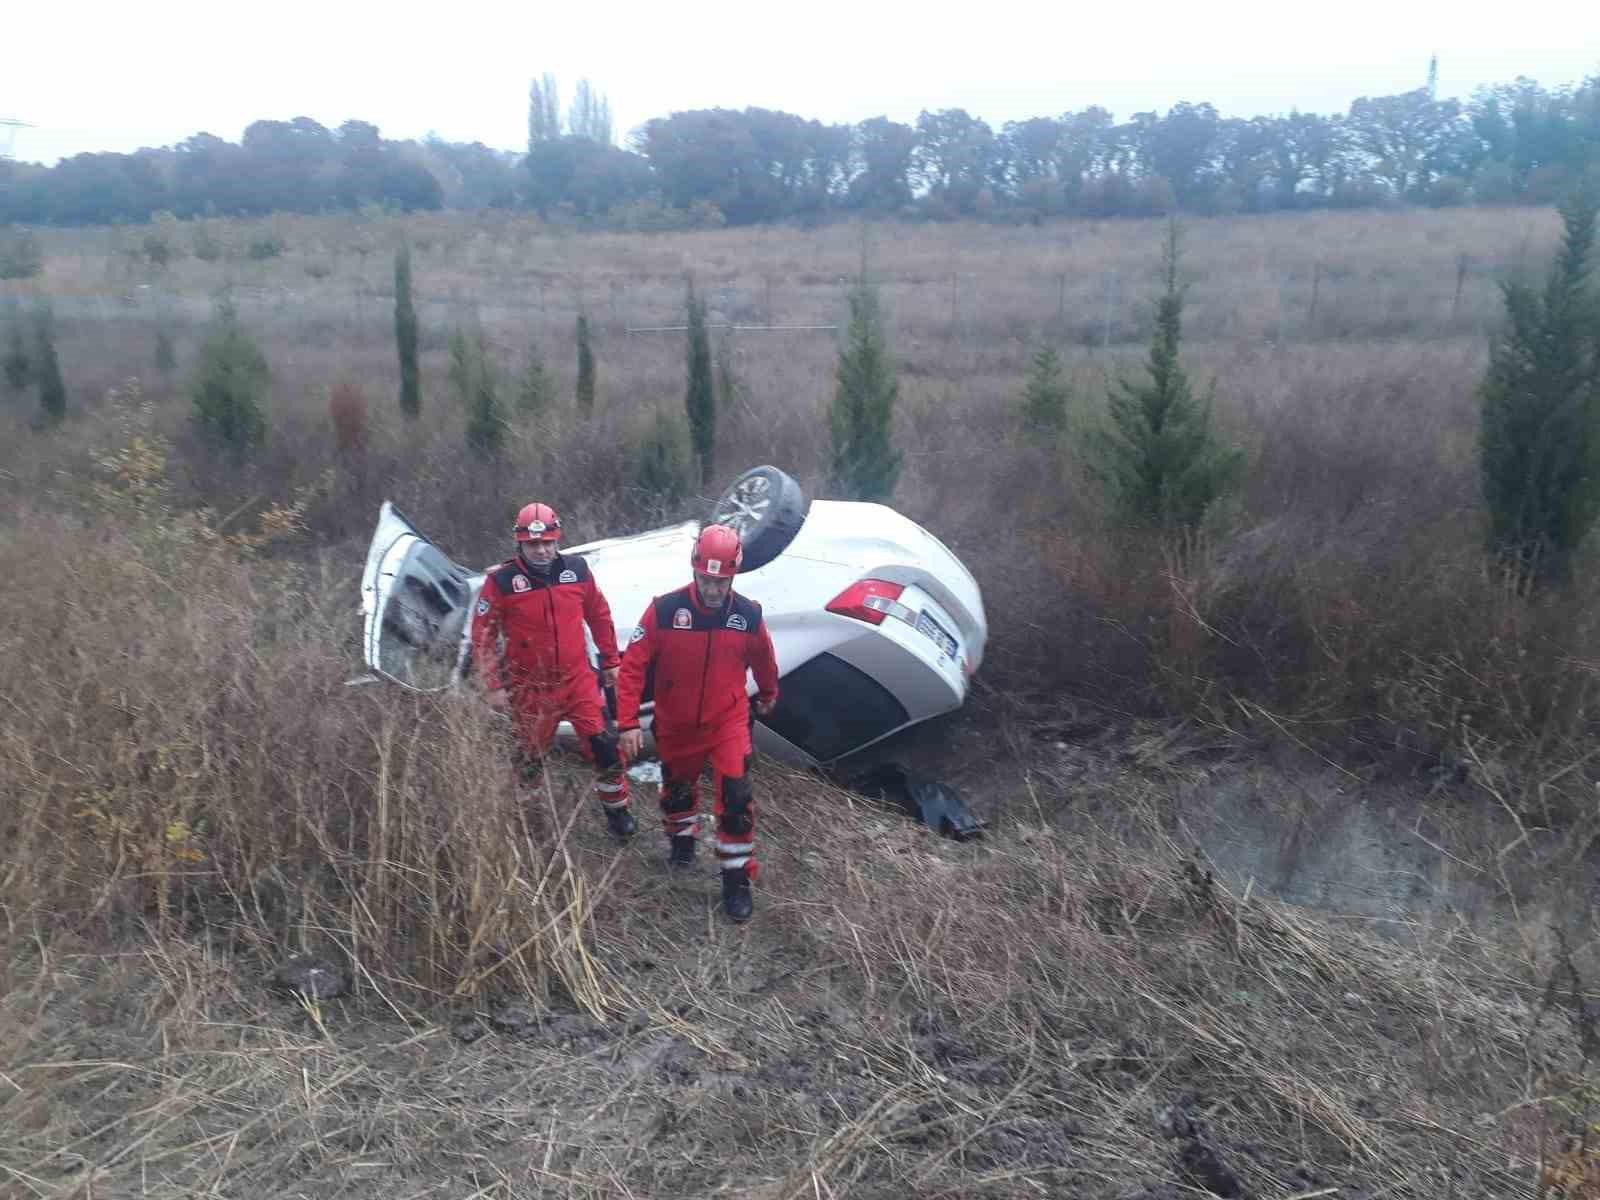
638	634
682	619
737	621
519	583
483	608
567	577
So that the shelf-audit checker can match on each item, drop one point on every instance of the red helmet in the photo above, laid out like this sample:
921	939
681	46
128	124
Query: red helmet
537	523
717	552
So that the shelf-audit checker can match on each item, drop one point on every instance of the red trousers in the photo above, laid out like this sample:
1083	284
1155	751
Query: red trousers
727	750
536	712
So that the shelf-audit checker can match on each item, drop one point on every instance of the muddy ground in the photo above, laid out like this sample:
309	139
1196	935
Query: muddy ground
1169	969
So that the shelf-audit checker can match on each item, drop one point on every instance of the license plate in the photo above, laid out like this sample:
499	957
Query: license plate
935	633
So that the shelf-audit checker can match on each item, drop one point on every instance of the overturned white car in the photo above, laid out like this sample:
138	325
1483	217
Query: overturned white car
876	624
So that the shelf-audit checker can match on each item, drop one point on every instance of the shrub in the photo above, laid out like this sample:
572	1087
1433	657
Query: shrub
586	367
1539	440
20	255
405	334
472	375
230	386
160	243
486	425
460	367
865	463
47	368
17	363
166	351
1161	460
1044	399
699	400
732	394
207	247
537	390
347	410
266	245
663	467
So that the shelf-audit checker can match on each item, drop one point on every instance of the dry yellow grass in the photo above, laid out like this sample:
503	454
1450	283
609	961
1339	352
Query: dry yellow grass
1074	1008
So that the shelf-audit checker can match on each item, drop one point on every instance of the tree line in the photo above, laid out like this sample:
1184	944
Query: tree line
1519	142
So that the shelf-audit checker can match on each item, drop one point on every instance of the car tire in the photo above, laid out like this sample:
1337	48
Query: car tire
766	507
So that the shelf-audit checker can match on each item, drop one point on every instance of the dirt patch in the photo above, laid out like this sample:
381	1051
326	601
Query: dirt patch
1053	1011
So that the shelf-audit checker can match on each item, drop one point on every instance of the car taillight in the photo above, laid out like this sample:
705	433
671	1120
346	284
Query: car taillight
871	600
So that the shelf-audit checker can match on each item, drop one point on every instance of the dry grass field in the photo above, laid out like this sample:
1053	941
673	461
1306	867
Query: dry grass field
1104	997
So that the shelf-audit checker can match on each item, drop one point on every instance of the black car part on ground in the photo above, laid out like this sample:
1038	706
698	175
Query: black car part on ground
765	507
937	805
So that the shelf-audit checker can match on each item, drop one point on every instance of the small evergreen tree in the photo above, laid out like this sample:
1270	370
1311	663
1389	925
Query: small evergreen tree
537	389
486	421
663	462
47	368
1161	460
166	351
1539	440
230	386
730	388
405	334
700	401
18	362
1044	399
866	465
586	369
461	367
20	256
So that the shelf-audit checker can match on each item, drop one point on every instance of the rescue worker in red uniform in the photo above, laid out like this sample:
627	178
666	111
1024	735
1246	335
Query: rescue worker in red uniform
527	638
697	644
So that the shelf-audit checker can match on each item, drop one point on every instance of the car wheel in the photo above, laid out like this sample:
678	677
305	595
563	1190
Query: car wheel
766	508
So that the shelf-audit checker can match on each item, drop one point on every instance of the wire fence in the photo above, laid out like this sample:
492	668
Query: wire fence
1091	309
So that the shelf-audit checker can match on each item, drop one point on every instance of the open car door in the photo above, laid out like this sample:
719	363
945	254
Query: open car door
416	606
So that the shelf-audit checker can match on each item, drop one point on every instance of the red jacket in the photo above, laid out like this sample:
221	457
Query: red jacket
527	629
696	659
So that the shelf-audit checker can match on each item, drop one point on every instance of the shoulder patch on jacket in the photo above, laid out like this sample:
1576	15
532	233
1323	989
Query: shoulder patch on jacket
573	569
746	613
506	577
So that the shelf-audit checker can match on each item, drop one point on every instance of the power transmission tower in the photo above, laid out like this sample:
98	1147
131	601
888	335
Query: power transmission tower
8	131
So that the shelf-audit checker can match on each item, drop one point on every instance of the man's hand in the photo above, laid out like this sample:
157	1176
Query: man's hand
608	677
629	742
497	699
764	707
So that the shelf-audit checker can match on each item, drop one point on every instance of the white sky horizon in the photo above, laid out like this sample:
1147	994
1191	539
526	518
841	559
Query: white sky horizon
154	76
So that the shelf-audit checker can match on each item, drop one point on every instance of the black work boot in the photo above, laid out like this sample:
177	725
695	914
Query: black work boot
736	895
682	851
621	821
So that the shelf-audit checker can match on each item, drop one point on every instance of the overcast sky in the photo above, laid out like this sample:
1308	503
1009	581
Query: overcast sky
117	76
